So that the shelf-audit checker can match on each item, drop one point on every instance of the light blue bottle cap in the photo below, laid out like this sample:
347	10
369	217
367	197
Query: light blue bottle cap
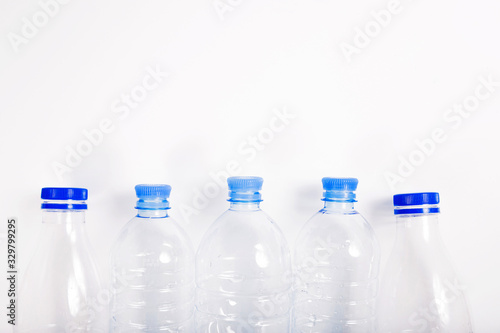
244	189
153	196
339	189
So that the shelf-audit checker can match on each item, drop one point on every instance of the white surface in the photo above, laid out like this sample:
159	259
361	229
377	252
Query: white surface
225	79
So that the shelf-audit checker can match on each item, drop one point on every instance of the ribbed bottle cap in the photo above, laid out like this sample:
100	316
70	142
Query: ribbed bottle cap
403	203
416	199
244	189
339	189
152	196
64	193
53	194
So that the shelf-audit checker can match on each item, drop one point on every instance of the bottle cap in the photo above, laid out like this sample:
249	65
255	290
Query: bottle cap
244	189
75	196
416	203
152	196
339	189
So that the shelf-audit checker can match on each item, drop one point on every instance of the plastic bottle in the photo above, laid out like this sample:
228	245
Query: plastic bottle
60	290
243	269
420	291
152	264
336	265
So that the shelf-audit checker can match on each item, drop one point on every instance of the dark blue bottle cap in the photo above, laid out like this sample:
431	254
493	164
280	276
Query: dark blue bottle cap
64	193
54	194
402	202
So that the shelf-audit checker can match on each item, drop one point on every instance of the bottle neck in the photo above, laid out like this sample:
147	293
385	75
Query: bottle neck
339	206
152	213
63	230
244	206
56	216
421	228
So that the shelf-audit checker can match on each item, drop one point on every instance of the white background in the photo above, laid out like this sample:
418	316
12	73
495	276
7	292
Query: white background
228	74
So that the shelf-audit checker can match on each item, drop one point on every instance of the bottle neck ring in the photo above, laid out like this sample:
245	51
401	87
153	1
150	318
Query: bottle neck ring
339	196
152	204
64	205
251	196
416	210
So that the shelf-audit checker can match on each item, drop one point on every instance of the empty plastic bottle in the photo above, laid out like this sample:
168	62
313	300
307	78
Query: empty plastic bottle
60	290
152	264
336	265
420	291
243	269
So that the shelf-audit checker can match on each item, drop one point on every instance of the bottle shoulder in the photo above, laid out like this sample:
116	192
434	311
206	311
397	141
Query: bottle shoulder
140	226
344	236
242	235
142	233
256	225
329	223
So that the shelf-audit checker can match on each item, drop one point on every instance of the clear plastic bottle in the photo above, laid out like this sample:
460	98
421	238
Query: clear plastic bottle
60	290
420	291
336	265
243	268
152	264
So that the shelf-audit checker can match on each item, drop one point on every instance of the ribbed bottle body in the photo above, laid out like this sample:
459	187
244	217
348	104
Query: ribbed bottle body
152	268
336	266
243	275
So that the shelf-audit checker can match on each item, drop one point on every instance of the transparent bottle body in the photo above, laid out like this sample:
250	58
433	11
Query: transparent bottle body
152	269
336	272
243	274
420	291
61	286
